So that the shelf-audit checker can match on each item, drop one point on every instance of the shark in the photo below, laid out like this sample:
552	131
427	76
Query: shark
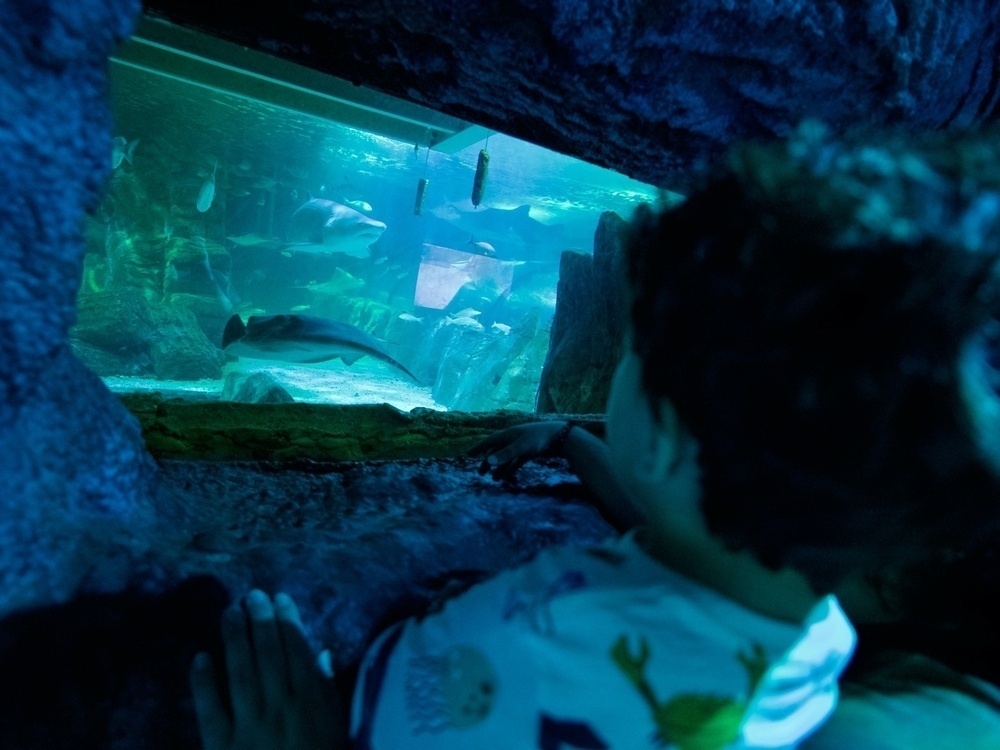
302	339
325	226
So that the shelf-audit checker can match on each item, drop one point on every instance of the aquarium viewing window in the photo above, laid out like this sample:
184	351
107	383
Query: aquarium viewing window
271	233
164	49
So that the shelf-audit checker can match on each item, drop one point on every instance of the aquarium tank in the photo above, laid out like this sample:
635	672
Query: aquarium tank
272	231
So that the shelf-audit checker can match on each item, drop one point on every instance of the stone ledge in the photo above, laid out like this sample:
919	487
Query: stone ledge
223	431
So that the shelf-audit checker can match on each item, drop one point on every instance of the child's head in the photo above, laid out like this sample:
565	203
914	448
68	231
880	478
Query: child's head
816	317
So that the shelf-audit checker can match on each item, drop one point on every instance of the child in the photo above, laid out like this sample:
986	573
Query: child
802	420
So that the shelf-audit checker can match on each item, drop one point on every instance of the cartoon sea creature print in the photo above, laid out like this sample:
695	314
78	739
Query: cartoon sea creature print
454	690
691	721
558	734
535	606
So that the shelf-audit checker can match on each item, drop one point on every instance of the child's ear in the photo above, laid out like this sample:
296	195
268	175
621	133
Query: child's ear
659	443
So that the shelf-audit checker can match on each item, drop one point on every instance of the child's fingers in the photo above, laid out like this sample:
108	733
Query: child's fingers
498	441
268	652
300	660
286	610
493	459
487	445
244	689
214	723
325	663
507	468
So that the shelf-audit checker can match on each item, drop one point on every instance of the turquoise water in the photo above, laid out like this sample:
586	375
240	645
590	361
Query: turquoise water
221	206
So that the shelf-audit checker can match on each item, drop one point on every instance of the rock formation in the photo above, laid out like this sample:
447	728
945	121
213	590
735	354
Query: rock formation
586	339
652	89
74	476
649	88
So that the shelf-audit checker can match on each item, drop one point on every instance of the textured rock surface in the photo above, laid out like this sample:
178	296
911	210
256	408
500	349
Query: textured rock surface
586	339
75	483
650	88
140	336
75	488
358	546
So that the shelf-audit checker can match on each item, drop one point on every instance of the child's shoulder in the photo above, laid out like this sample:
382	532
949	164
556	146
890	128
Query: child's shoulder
549	637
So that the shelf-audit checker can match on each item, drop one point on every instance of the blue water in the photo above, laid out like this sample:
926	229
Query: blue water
201	218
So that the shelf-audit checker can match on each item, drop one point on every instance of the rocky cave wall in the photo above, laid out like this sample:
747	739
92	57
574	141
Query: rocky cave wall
653	89
74	475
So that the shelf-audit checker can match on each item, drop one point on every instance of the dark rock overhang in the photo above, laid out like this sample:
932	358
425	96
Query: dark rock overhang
654	90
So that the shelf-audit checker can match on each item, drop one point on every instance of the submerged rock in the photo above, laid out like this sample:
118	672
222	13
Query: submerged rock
188	357
123	328
255	388
586	340
475	364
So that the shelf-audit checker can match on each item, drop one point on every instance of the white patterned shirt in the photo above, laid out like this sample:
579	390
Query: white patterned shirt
599	647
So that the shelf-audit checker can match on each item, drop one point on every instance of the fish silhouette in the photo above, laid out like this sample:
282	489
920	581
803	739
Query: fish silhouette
304	339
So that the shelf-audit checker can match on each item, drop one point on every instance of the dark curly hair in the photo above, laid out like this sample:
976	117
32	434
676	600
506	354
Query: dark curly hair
806	313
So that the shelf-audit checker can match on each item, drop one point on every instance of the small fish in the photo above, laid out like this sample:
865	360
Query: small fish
304	339
341	282
544	298
225	293
463	322
168	228
468	312
409	317
245	165
122	149
263	199
293	194
300	308
359	205
254	240
502	327
241	193
207	193
483	247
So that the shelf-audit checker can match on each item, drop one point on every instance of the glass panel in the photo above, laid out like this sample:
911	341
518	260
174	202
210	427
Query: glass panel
223	211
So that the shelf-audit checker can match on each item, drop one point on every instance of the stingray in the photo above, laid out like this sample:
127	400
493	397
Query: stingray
303	339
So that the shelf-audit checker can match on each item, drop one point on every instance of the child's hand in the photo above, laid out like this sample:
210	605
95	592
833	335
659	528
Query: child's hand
508	450
279	699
